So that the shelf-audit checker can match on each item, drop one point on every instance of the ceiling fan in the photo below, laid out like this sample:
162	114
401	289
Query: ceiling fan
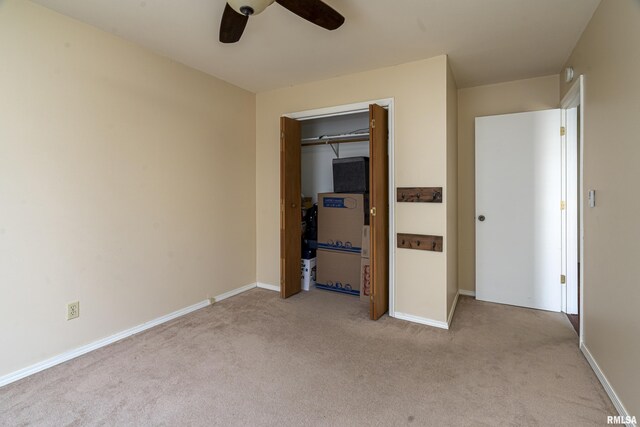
237	12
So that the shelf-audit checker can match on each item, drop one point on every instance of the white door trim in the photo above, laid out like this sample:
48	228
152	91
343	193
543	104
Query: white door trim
573	98
361	107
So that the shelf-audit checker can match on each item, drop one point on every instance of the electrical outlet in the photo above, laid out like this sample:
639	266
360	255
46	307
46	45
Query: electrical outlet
73	310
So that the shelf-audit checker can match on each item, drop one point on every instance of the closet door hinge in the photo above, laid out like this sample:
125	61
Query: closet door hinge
563	279
563	205
563	131
373	123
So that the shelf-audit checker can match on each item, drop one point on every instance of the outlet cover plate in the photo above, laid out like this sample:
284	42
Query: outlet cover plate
73	310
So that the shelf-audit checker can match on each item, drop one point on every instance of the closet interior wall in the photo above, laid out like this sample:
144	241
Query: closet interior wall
317	167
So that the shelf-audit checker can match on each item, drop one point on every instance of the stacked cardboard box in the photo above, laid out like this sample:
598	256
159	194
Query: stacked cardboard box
340	220
338	272
365	266
341	217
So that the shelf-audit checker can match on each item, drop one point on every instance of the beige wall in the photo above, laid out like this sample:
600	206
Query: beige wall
607	55
419	90
127	182
452	189
522	95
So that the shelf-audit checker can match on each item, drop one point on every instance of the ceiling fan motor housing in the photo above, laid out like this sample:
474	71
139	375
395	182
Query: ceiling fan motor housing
249	7
246	10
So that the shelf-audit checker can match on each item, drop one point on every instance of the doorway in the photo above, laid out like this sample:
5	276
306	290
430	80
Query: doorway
379	216
500	278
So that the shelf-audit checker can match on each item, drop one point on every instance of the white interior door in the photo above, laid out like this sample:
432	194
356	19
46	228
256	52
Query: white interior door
571	238
518	216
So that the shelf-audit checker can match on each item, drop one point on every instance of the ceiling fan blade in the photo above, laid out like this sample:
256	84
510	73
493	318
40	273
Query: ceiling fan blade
232	25
314	11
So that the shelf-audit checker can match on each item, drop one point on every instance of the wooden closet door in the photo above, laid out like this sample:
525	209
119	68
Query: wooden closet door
290	211
379	215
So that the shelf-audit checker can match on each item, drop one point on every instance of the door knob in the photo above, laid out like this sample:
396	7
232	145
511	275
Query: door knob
481	218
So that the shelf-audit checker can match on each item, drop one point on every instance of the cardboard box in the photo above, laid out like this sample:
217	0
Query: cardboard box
366	241
338	272
340	220
308	273
365	279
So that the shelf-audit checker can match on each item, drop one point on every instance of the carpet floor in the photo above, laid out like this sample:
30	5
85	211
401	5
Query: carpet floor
316	359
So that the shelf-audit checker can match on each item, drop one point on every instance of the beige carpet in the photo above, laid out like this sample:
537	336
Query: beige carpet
315	359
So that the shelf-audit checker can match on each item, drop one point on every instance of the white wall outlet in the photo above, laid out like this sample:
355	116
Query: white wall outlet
73	310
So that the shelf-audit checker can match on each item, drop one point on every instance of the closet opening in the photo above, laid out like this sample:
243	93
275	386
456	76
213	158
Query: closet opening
334	203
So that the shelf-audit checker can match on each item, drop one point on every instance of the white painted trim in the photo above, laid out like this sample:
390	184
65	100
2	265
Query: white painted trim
564	241
72	354
467	293
453	309
421	320
574	94
392	206
338	110
581	79
360	107
268	287
234	292
605	382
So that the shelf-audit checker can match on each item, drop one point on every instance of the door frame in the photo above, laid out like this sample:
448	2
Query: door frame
572	99
361	107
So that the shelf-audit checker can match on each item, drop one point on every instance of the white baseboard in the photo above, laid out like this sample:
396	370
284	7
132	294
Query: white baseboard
453	310
605	383
268	286
235	292
421	320
430	322
72	354
467	293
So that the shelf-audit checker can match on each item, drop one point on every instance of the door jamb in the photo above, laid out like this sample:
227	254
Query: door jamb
574	98
358	108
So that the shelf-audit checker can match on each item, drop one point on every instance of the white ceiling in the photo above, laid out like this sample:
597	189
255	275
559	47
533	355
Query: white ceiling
488	41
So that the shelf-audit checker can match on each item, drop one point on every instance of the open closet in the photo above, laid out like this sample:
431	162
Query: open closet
335	187
335	207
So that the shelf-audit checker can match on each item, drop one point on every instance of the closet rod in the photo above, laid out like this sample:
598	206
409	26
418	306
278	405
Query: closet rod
335	141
